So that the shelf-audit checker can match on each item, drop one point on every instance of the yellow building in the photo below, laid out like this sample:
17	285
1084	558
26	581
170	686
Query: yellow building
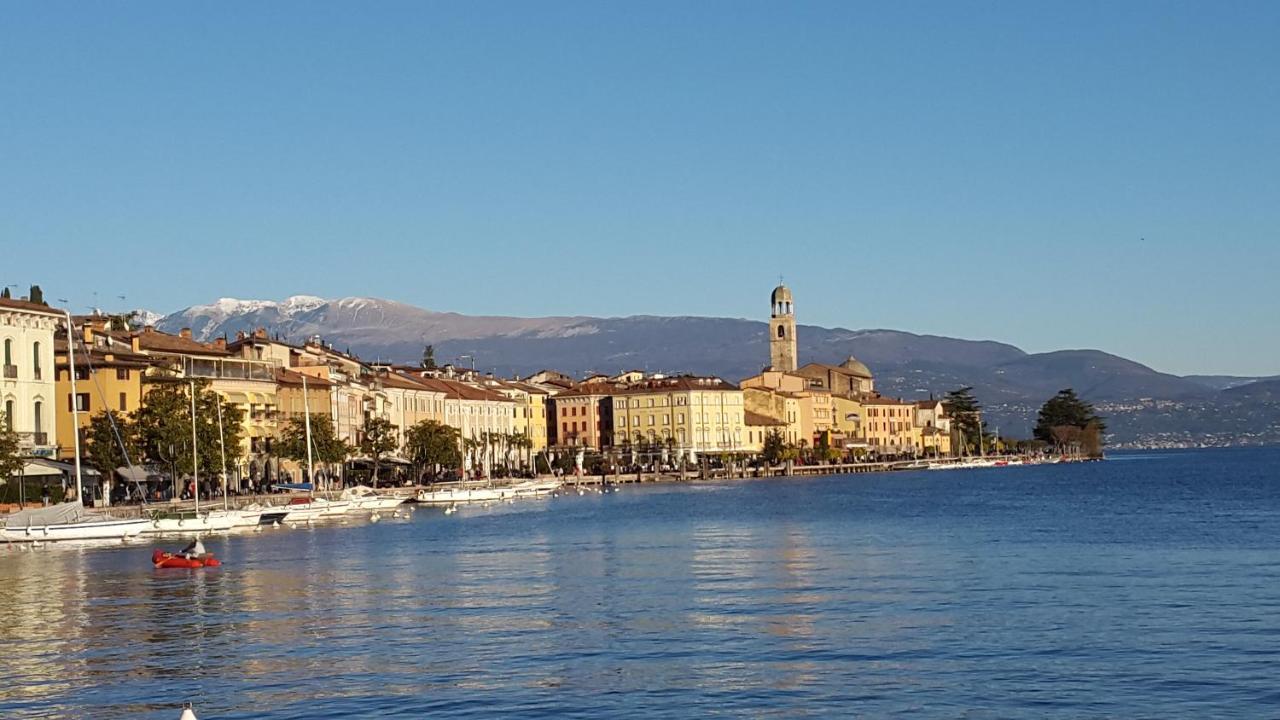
889	426
815	409
530	411
783	407
108	376
695	415
935	427
409	402
848	415
758	428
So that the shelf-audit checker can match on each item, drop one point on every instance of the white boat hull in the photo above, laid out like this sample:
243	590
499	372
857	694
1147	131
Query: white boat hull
455	496
374	504
92	530
205	522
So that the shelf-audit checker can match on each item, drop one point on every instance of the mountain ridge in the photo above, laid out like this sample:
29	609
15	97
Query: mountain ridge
1009	380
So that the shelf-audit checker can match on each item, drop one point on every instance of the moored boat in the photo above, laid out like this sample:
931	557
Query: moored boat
68	521
365	498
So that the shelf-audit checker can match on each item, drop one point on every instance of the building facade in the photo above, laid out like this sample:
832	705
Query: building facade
27	384
692	415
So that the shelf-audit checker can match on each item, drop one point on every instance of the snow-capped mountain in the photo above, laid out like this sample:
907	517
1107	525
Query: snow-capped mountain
371	324
142	317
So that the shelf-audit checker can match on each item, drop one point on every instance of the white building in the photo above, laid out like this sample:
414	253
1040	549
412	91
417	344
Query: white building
27	374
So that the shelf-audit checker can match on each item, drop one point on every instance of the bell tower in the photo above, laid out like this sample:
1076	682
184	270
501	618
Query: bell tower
782	331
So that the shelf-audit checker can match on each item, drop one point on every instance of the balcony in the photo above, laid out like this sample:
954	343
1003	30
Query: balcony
31	440
11	372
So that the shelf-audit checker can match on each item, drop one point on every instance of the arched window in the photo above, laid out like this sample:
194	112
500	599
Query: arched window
782	331
37	423
8	351
35	360
8	414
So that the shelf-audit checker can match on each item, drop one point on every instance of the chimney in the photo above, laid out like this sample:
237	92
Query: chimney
185	333
220	343
240	335
149	329
260	334
135	342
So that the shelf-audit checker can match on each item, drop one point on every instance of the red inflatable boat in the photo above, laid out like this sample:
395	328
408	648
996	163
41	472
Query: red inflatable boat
162	559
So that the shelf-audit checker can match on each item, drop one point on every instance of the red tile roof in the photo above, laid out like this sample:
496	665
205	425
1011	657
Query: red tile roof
29	306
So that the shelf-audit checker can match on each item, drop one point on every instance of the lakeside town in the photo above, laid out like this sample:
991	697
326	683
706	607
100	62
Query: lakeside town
150	409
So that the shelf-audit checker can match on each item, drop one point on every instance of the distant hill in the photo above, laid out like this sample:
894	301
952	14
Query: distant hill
1267	390
1225	382
1011	382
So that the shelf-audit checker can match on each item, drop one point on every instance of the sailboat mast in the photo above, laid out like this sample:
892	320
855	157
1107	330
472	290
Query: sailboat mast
195	454
75	402
222	446
306	414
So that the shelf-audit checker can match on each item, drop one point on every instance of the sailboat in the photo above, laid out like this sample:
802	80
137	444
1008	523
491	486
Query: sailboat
309	507
196	521
69	520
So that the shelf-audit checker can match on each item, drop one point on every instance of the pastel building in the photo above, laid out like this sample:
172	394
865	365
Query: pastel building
27	384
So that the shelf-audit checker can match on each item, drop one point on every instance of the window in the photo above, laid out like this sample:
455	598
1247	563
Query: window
8	414
123	402
37	418
782	331
653	420
8	351
81	403
35	360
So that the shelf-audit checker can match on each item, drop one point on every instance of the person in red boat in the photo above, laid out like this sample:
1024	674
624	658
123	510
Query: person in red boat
195	550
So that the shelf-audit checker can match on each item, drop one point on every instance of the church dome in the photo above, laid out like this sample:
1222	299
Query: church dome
781	294
856	367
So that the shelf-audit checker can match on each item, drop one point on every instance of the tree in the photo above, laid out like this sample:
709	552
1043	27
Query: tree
524	444
163	426
430	443
10	451
966	417
429	357
378	440
5	294
110	447
37	295
1065	421
326	447
774	446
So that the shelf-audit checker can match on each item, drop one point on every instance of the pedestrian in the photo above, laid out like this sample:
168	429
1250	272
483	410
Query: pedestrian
44	494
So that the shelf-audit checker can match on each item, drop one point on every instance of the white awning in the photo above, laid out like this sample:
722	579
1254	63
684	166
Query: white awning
32	469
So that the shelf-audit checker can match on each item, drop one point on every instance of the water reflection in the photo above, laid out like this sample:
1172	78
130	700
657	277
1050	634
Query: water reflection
765	599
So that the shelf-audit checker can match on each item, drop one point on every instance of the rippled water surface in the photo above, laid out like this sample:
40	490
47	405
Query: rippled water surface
1146	586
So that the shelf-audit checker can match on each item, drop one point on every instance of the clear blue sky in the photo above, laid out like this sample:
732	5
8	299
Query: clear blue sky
1055	175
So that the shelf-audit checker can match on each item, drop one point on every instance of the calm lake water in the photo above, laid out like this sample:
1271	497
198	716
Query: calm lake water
1146	586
